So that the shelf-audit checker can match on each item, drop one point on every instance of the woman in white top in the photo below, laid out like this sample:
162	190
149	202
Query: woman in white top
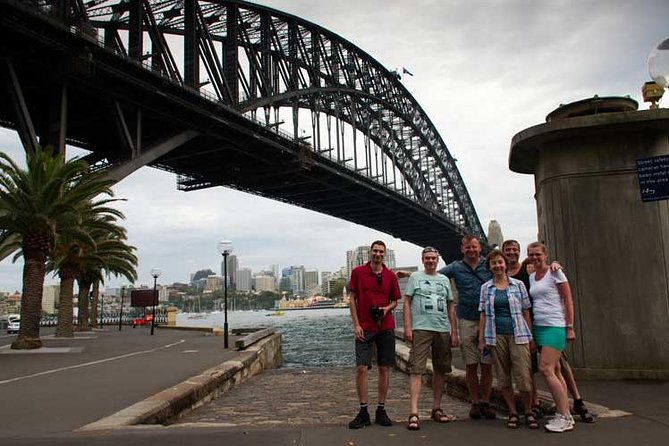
553	309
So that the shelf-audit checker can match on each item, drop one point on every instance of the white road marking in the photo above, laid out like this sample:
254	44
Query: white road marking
87	364
190	351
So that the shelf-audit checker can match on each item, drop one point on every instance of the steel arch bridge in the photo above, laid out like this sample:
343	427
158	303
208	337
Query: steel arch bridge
229	93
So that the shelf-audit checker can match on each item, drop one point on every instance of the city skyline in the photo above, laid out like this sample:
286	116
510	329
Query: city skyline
482	71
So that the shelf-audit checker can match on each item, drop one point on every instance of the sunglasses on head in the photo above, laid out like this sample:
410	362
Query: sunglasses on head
430	249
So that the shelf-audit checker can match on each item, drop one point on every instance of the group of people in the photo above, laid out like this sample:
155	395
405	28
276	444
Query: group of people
496	323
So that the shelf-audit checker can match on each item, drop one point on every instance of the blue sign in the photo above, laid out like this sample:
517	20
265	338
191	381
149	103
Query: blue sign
653	176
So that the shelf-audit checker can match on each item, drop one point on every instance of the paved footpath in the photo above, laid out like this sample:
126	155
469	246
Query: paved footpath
309	397
46	396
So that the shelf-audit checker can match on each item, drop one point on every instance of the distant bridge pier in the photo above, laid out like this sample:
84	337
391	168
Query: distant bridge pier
615	247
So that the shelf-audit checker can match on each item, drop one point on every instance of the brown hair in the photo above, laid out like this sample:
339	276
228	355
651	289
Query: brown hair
510	242
538	245
468	238
378	242
494	254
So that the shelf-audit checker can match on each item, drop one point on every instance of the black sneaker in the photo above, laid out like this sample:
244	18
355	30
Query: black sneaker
381	418
360	420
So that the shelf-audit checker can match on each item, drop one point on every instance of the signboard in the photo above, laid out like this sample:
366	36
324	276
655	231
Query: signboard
653	176
143	298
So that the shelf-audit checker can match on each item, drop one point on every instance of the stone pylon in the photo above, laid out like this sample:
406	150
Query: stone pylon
495	237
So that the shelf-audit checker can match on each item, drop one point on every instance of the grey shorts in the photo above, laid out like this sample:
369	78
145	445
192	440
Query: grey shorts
384	341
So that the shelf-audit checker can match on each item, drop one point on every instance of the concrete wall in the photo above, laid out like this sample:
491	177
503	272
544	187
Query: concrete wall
615	247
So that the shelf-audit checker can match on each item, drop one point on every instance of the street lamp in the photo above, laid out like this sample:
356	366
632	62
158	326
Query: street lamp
155	272
225	248
120	311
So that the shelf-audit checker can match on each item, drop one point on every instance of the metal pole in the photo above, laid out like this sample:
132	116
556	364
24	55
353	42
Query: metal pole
155	298
102	310
120	312
225	301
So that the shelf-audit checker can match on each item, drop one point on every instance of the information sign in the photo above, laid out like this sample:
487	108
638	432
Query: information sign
653	176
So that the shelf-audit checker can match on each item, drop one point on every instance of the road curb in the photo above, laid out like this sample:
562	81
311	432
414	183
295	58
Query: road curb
172	403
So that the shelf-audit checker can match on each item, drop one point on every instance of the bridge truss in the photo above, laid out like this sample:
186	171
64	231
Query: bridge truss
339	124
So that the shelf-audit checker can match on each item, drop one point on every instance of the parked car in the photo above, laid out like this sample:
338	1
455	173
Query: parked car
13	325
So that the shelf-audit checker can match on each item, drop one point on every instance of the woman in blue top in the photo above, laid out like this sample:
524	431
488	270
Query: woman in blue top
553	326
505	322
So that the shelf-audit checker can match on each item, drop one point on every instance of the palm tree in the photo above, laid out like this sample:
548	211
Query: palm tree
112	257
33	203
76	241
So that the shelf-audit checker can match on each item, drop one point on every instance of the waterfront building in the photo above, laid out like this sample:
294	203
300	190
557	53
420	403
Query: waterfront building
284	285
264	282
244	279
297	282
50	296
325	282
213	283
163	293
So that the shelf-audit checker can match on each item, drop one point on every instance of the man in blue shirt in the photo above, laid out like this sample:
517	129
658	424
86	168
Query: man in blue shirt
469	274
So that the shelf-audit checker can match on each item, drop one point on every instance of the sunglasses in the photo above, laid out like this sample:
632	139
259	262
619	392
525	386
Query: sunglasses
379	278
430	249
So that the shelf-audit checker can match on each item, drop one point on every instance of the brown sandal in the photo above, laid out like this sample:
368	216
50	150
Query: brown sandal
439	416
413	424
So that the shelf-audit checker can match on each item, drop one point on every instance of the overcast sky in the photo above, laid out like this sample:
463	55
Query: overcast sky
483	71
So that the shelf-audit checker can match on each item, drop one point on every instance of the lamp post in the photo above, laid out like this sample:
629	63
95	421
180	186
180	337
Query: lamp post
155	272
102	310
120	311
225	248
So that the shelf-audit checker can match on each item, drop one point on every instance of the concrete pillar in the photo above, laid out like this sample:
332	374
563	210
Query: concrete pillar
614	246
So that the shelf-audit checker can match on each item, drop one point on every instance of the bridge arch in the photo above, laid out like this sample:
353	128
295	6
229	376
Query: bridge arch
327	99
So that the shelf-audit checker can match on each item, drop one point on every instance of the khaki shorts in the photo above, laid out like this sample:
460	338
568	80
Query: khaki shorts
469	343
514	359
424	342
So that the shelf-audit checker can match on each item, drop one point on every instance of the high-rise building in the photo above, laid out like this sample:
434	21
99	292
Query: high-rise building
325	282
264	282
233	266
311	287
213	283
275	270
297	283
244	279
495	237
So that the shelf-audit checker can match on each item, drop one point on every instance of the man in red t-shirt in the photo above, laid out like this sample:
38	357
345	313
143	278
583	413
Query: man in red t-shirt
374	292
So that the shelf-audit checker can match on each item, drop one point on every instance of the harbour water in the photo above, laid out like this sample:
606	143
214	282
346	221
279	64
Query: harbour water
311	338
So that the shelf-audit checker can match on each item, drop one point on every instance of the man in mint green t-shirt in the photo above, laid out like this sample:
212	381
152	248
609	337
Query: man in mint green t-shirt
430	326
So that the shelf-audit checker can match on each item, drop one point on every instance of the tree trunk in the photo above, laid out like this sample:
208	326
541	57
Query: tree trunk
31	301
83	324
94	305
65	328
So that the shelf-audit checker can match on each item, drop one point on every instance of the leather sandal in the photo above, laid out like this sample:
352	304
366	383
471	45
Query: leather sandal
531	421
439	416
414	422
513	421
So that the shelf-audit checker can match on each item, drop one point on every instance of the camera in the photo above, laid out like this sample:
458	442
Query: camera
376	314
